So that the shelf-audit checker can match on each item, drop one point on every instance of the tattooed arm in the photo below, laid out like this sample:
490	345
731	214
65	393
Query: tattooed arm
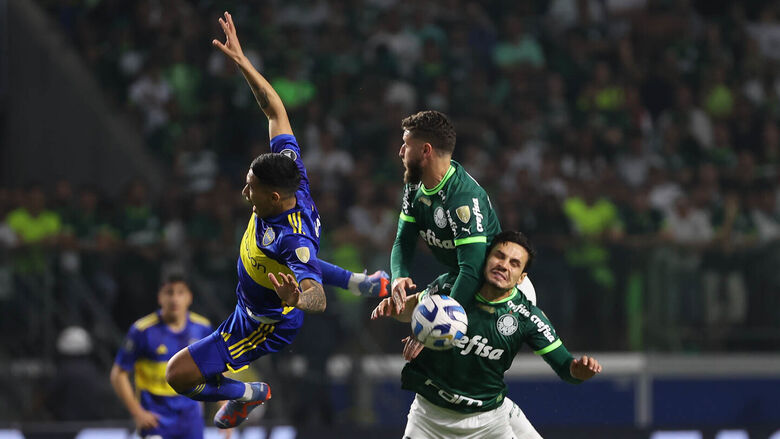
265	95
311	299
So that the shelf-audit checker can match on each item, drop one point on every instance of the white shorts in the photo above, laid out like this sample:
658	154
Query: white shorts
429	421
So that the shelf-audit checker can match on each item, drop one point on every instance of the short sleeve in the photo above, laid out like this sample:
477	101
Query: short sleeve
286	144
300	255
129	351
465	217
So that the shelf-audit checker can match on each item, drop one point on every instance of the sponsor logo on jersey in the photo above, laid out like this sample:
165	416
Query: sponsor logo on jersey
478	215
453	398
544	328
287	152
303	254
464	214
442	195
519	308
453	226
478	345
438	217
406	204
430	238
507	324
425	200
268	236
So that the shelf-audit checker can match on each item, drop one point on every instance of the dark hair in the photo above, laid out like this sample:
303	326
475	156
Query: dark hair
517	238
171	278
277	171
433	127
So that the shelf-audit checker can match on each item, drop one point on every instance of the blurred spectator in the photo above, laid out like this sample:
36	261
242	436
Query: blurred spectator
150	94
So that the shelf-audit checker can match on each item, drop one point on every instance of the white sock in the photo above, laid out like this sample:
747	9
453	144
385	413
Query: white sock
354	281
247	393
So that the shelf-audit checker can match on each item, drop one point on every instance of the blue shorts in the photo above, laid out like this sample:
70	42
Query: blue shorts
241	339
184	424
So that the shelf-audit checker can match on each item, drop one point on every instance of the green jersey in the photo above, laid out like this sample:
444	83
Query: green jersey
457	222
470	377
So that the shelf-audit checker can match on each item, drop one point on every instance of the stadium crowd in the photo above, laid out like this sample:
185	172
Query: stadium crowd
635	142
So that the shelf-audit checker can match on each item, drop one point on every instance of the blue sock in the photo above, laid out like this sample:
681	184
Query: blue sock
334	275
217	388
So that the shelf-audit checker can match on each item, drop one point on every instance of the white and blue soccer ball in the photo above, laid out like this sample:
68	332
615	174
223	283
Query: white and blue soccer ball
439	320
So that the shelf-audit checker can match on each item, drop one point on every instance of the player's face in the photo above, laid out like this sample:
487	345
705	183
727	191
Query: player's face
505	266
175	299
261	197
411	155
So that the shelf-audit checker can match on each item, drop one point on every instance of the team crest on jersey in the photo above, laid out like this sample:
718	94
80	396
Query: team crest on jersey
269	236
162	350
464	214
438	217
426	201
507	324
289	153
303	254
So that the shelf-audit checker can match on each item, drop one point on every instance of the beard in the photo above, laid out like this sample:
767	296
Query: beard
412	172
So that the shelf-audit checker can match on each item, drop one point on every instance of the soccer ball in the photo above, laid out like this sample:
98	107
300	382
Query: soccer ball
438	320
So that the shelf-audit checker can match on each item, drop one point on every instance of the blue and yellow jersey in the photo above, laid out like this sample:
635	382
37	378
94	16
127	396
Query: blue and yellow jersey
149	345
286	243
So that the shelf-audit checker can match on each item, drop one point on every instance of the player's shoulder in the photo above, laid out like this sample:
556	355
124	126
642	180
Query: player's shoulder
199	319
146	322
296	223
464	180
285	144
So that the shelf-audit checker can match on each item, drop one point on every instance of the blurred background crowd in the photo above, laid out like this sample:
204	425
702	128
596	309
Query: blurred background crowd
636	142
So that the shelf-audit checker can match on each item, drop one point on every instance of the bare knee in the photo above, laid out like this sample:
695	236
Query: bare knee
181	373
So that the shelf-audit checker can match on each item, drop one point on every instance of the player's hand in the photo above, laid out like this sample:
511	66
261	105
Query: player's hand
412	348
145	420
231	47
384	309
286	288
584	368
401	287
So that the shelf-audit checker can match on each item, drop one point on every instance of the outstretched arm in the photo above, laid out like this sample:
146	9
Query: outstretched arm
266	97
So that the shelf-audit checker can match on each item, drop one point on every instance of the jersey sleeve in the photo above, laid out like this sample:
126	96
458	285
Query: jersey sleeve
542	338
406	236
287	144
471	259
129	351
300	255
465	216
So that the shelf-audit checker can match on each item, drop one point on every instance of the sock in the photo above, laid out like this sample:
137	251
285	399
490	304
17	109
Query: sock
218	388
335	275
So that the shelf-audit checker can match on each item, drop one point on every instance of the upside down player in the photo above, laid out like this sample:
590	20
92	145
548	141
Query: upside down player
460	392
445	206
282	237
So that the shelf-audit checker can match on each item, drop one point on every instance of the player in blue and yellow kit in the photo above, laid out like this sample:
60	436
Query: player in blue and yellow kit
279	275
152	340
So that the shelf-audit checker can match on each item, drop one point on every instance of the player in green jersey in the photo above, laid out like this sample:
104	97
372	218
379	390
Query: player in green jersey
461	392
445	206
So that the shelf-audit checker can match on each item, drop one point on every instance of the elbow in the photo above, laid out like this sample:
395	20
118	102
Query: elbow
116	374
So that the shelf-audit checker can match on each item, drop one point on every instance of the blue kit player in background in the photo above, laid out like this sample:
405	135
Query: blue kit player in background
158	411
279	275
